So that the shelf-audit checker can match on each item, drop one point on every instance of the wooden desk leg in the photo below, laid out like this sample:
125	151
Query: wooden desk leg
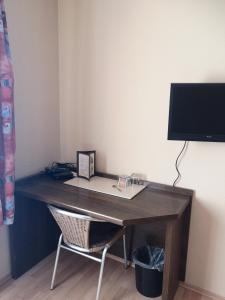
172	260
186	218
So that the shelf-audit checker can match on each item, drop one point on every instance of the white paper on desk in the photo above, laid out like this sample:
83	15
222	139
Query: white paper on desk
105	185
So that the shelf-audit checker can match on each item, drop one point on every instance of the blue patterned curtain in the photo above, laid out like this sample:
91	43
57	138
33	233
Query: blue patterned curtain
7	128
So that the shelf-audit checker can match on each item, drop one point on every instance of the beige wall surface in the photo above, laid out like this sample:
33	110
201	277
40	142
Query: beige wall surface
33	29
4	253
117	60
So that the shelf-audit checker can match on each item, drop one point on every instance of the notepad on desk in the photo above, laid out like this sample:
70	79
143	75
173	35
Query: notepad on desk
106	186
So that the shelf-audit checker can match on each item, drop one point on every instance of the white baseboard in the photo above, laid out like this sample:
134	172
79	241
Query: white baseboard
201	291
5	280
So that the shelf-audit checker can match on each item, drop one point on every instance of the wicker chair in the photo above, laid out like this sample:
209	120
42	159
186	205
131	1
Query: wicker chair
77	235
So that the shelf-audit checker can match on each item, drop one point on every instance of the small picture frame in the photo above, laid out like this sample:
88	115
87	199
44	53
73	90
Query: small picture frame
86	164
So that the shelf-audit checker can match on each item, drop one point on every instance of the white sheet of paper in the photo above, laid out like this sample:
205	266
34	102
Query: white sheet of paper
105	185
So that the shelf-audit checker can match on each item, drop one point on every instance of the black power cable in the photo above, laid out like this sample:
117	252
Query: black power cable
178	162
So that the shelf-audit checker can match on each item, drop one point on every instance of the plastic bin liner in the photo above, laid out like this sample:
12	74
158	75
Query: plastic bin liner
149	258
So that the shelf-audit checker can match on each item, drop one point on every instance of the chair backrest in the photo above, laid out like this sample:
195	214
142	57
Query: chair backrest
75	227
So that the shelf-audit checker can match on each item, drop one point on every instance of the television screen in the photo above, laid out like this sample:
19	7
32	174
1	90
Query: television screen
197	112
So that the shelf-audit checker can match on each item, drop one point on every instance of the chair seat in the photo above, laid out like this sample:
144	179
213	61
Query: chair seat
102	233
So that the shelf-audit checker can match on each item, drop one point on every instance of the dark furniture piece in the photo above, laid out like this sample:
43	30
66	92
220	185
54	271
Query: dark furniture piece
159	215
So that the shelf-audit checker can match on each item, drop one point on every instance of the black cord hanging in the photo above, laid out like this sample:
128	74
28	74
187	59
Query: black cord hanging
178	162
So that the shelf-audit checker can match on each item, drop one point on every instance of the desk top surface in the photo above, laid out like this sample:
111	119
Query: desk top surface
156	202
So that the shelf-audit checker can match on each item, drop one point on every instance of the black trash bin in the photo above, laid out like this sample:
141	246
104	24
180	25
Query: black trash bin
149	262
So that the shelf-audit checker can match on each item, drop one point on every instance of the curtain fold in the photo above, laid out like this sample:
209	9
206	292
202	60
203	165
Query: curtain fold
7	128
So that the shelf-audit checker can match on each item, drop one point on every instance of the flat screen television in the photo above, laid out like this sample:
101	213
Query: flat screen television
197	112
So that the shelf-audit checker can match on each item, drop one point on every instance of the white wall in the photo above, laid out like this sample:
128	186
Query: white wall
4	254
33	29
117	60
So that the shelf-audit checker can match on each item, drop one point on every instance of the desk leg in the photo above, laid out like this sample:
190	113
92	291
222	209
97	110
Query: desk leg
172	260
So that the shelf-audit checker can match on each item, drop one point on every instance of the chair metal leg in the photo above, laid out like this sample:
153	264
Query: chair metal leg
125	251
56	262
101	272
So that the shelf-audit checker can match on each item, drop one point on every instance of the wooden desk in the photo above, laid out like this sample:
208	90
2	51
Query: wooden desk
159	215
